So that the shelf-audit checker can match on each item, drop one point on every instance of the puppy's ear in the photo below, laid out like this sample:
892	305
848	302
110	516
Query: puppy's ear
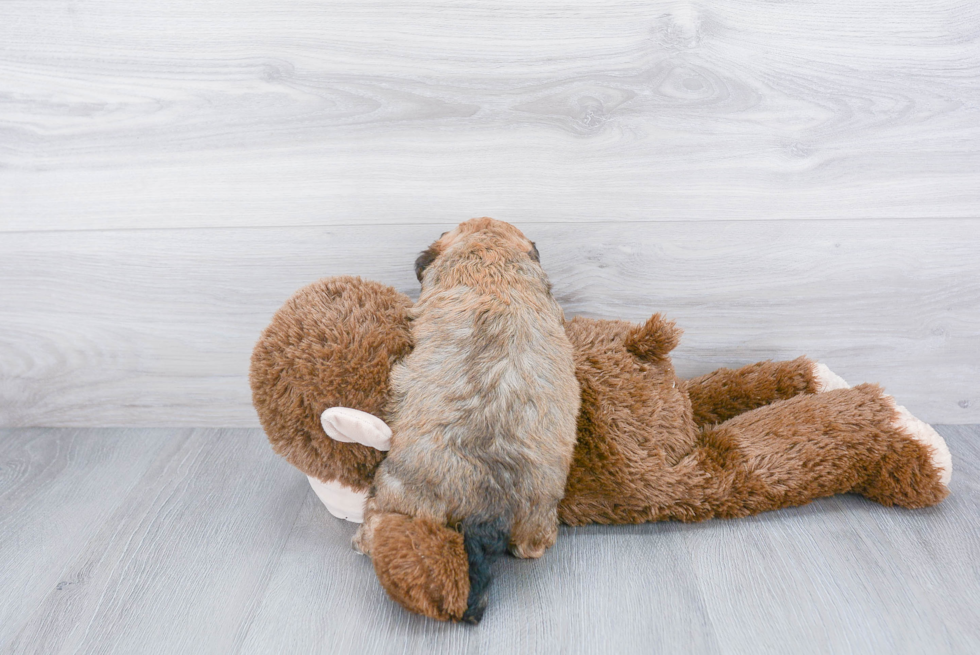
424	259
533	253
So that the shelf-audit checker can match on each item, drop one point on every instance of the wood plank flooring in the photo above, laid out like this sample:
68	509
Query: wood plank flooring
202	540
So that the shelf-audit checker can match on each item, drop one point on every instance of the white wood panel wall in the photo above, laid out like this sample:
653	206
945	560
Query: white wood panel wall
782	178
154	327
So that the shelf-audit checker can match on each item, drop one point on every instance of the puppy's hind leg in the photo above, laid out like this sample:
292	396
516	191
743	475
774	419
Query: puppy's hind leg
534	532
364	536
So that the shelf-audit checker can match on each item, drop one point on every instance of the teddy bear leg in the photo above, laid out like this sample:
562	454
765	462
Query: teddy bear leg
726	393
795	450
827	380
422	565
895	483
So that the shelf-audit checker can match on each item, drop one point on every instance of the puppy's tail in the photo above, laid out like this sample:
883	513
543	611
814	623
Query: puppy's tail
484	542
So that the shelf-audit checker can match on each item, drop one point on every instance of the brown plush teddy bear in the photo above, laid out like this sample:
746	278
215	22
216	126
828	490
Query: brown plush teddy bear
650	446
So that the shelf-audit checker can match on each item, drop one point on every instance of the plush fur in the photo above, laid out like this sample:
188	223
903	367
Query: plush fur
332	344
726	393
422	564
649	447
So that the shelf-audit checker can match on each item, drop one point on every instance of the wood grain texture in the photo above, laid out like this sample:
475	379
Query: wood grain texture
185	114
156	327
222	548
180	563
57	491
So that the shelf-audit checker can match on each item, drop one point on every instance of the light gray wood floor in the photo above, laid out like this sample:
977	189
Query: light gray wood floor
202	540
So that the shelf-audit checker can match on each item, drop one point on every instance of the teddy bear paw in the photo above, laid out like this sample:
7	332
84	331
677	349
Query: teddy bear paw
354	426
926	435
827	380
340	500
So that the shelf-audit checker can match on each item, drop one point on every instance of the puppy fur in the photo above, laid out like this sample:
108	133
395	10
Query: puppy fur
483	410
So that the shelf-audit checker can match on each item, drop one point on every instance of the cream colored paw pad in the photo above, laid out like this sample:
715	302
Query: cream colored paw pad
925	434
827	380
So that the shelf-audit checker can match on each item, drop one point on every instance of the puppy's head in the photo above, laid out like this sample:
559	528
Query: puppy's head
503	235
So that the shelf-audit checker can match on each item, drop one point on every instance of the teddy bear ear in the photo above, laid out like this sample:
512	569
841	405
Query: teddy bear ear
654	339
533	252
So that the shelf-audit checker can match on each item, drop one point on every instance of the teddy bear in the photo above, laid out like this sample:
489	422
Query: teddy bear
650	446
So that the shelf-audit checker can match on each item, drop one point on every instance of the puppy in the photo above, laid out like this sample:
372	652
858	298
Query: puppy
484	409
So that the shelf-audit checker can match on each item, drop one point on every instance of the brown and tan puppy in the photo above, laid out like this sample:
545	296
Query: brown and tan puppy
483	410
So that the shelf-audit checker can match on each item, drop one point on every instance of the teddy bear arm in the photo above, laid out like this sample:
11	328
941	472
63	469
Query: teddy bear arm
726	393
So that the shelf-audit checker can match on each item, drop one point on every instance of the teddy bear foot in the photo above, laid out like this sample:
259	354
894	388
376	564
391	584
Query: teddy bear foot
827	380
925	434
340	500
915	466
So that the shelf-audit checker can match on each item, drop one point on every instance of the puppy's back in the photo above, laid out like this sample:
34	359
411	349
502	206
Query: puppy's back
485	405
483	409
